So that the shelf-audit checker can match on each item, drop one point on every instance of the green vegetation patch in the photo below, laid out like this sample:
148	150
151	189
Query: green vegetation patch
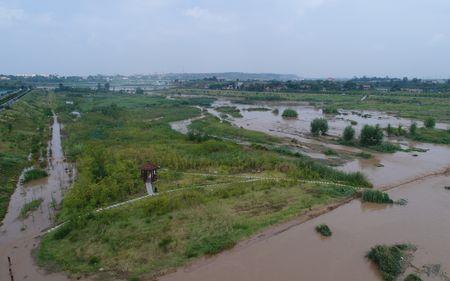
258	109
29	207
390	260
34	174
324	230
24	129
376	196
289	113
169	230
231	110
412	277
330	110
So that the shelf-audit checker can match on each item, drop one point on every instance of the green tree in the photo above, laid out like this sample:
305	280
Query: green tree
371	135
139	91
413	128
319	126
389	130
349	134
430	122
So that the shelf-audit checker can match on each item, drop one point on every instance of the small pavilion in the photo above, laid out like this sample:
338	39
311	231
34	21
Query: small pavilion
149	176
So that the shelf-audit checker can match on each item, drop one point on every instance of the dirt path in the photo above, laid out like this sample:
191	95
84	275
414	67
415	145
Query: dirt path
18	237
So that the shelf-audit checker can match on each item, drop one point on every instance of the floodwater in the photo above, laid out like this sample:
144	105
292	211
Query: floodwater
299	253
267	121
18	237
294	251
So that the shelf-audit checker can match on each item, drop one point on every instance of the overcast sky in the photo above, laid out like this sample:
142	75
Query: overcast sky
310	38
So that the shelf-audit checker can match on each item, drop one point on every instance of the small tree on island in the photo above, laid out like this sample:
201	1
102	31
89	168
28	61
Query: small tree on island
349	134
289	113
413	128
430	122
319	126
371	135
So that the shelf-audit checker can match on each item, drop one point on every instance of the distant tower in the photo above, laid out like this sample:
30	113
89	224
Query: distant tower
148	175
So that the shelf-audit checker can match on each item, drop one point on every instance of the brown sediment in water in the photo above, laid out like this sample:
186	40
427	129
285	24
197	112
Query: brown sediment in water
294	251
18	237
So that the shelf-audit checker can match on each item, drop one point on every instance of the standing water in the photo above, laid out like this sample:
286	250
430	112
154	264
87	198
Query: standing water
18	237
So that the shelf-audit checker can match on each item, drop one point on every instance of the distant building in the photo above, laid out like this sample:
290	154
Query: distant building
412	90
383	90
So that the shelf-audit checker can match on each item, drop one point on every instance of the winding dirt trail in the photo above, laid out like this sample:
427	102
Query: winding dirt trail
18	237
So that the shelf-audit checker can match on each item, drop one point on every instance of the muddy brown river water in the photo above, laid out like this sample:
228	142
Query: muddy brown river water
18	237
297	252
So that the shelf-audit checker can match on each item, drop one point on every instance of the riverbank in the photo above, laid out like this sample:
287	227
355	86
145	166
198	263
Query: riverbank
296	252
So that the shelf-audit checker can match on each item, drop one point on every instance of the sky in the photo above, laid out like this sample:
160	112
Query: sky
310	38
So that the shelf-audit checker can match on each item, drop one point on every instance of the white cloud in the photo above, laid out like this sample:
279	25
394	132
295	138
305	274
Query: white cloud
304	5
437	39
10	16
13	16
204	14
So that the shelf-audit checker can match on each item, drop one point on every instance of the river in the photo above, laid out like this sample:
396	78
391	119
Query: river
18	237
294	251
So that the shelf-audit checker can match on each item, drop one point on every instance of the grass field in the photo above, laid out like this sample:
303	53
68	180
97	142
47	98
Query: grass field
117	133
23	130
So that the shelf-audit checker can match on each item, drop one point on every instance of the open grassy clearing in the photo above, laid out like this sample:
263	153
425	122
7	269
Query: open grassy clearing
116	134
23	130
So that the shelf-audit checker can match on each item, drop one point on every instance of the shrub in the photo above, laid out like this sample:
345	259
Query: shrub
164	243
324	230
319	126
413	128
289	113
371	135
349	134
376	196
30	207
330	110
330	151
387	147
197	136
390	260
389	130
430	122
412	277
34	174
63	231
364	155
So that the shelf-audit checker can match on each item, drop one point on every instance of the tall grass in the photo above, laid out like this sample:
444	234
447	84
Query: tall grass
376	196
34	174
30	207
